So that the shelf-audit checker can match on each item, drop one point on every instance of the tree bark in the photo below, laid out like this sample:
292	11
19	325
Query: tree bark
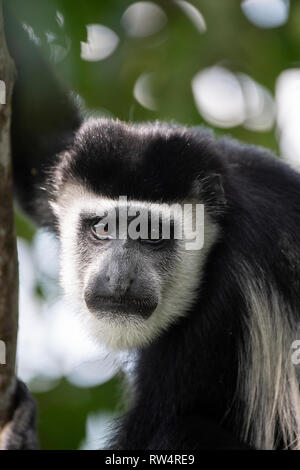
8	252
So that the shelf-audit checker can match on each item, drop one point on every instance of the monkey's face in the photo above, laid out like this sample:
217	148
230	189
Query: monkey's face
126	265
127	286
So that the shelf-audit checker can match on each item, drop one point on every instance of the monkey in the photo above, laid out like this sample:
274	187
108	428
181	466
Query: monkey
212	328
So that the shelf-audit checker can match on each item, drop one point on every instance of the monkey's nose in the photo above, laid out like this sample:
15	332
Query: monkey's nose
116	284
108	287
119	295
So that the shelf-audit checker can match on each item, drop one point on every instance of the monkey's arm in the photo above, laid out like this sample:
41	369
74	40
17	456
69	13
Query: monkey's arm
20	432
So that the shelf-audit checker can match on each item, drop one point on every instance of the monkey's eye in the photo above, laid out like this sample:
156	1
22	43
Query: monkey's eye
155	236
152	241
101	231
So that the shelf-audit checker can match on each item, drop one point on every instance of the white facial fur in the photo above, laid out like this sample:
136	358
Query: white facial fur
126	332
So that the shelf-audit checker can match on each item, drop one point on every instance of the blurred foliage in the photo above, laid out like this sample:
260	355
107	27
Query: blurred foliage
23	227
175	54
63	411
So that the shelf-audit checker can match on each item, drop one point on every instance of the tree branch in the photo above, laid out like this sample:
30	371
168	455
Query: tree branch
8	252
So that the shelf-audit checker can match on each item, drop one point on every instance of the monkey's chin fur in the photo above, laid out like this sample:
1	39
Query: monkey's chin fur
124	332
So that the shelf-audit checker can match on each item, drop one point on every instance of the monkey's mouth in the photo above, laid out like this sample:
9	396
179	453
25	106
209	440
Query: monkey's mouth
107	306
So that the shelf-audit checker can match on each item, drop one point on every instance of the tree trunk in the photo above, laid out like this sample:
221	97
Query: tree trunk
8	252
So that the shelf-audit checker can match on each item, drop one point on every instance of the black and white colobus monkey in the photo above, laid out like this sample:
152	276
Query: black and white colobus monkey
212	328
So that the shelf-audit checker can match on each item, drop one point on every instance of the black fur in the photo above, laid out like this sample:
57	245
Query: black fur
185	382
20	433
